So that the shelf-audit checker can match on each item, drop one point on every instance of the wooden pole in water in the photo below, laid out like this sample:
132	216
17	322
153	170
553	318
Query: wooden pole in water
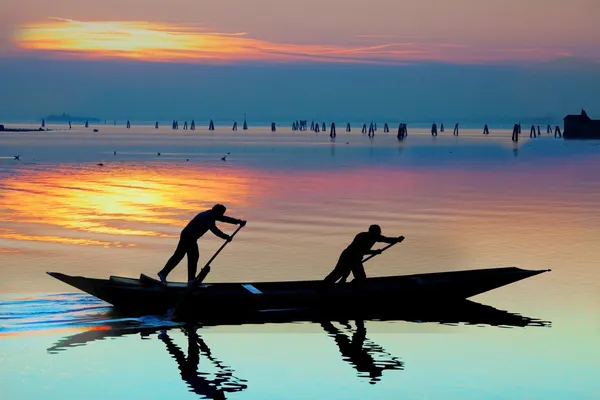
515	133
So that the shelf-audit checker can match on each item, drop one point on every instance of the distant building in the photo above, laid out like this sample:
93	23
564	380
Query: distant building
581	127
64	117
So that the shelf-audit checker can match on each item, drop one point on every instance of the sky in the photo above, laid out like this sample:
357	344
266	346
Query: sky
283	59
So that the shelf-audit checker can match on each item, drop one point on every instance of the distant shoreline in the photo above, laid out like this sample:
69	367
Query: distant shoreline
5	129
66	118
166	125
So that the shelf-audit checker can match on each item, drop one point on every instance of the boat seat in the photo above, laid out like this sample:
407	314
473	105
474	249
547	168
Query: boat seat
251	288
124	281
149	281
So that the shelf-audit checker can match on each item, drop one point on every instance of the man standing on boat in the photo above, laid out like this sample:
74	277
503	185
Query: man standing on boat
197	227
351	258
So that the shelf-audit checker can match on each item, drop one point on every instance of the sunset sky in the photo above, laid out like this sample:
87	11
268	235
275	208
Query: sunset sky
483	34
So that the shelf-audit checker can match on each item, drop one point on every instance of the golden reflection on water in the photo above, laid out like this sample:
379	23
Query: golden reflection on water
117	201
49	331
300	220
6	251
6	234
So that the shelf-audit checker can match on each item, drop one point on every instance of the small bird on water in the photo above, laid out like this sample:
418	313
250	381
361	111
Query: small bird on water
17	157
224	158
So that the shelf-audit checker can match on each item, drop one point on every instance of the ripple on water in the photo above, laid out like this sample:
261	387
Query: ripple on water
58	311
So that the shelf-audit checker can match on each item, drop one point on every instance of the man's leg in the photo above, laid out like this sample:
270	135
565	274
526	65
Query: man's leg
341	270
192	256
334	275
174	260
358	271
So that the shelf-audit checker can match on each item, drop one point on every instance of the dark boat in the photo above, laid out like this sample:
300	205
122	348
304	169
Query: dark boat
207	300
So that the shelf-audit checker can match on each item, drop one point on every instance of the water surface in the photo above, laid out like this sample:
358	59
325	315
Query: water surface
462	202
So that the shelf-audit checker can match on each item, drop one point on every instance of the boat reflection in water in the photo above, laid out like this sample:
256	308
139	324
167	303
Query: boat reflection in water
368	358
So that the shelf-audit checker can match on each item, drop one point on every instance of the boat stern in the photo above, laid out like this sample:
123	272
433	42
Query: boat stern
495	278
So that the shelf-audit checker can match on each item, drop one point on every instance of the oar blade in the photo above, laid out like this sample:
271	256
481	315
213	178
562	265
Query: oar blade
202	275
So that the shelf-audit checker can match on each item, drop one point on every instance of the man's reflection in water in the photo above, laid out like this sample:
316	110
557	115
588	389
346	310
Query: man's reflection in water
199	383
360	351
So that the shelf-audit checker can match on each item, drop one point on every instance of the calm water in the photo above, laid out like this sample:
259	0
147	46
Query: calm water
462	202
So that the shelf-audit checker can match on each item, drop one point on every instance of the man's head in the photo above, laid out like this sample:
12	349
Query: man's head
375	230
219	209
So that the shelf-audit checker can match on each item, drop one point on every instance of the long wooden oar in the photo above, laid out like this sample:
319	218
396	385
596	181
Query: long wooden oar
382	250
204	271
201	276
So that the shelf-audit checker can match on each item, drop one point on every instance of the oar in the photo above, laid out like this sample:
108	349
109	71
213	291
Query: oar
382	250
204	271
201	276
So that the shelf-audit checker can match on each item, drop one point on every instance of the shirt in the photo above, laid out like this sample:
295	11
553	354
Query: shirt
362	243
203	222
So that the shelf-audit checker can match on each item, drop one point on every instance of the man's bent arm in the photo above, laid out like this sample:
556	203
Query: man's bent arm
386	239
219	233
229	220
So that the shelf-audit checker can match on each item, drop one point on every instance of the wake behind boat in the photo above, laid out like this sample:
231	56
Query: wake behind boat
146	295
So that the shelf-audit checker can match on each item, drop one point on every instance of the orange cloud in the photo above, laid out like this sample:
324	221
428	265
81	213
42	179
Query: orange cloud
153	41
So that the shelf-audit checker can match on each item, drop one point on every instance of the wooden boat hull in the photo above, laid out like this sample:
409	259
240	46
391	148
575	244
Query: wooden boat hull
148	296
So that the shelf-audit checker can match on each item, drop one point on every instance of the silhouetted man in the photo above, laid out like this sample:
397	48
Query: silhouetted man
351	259
197	227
